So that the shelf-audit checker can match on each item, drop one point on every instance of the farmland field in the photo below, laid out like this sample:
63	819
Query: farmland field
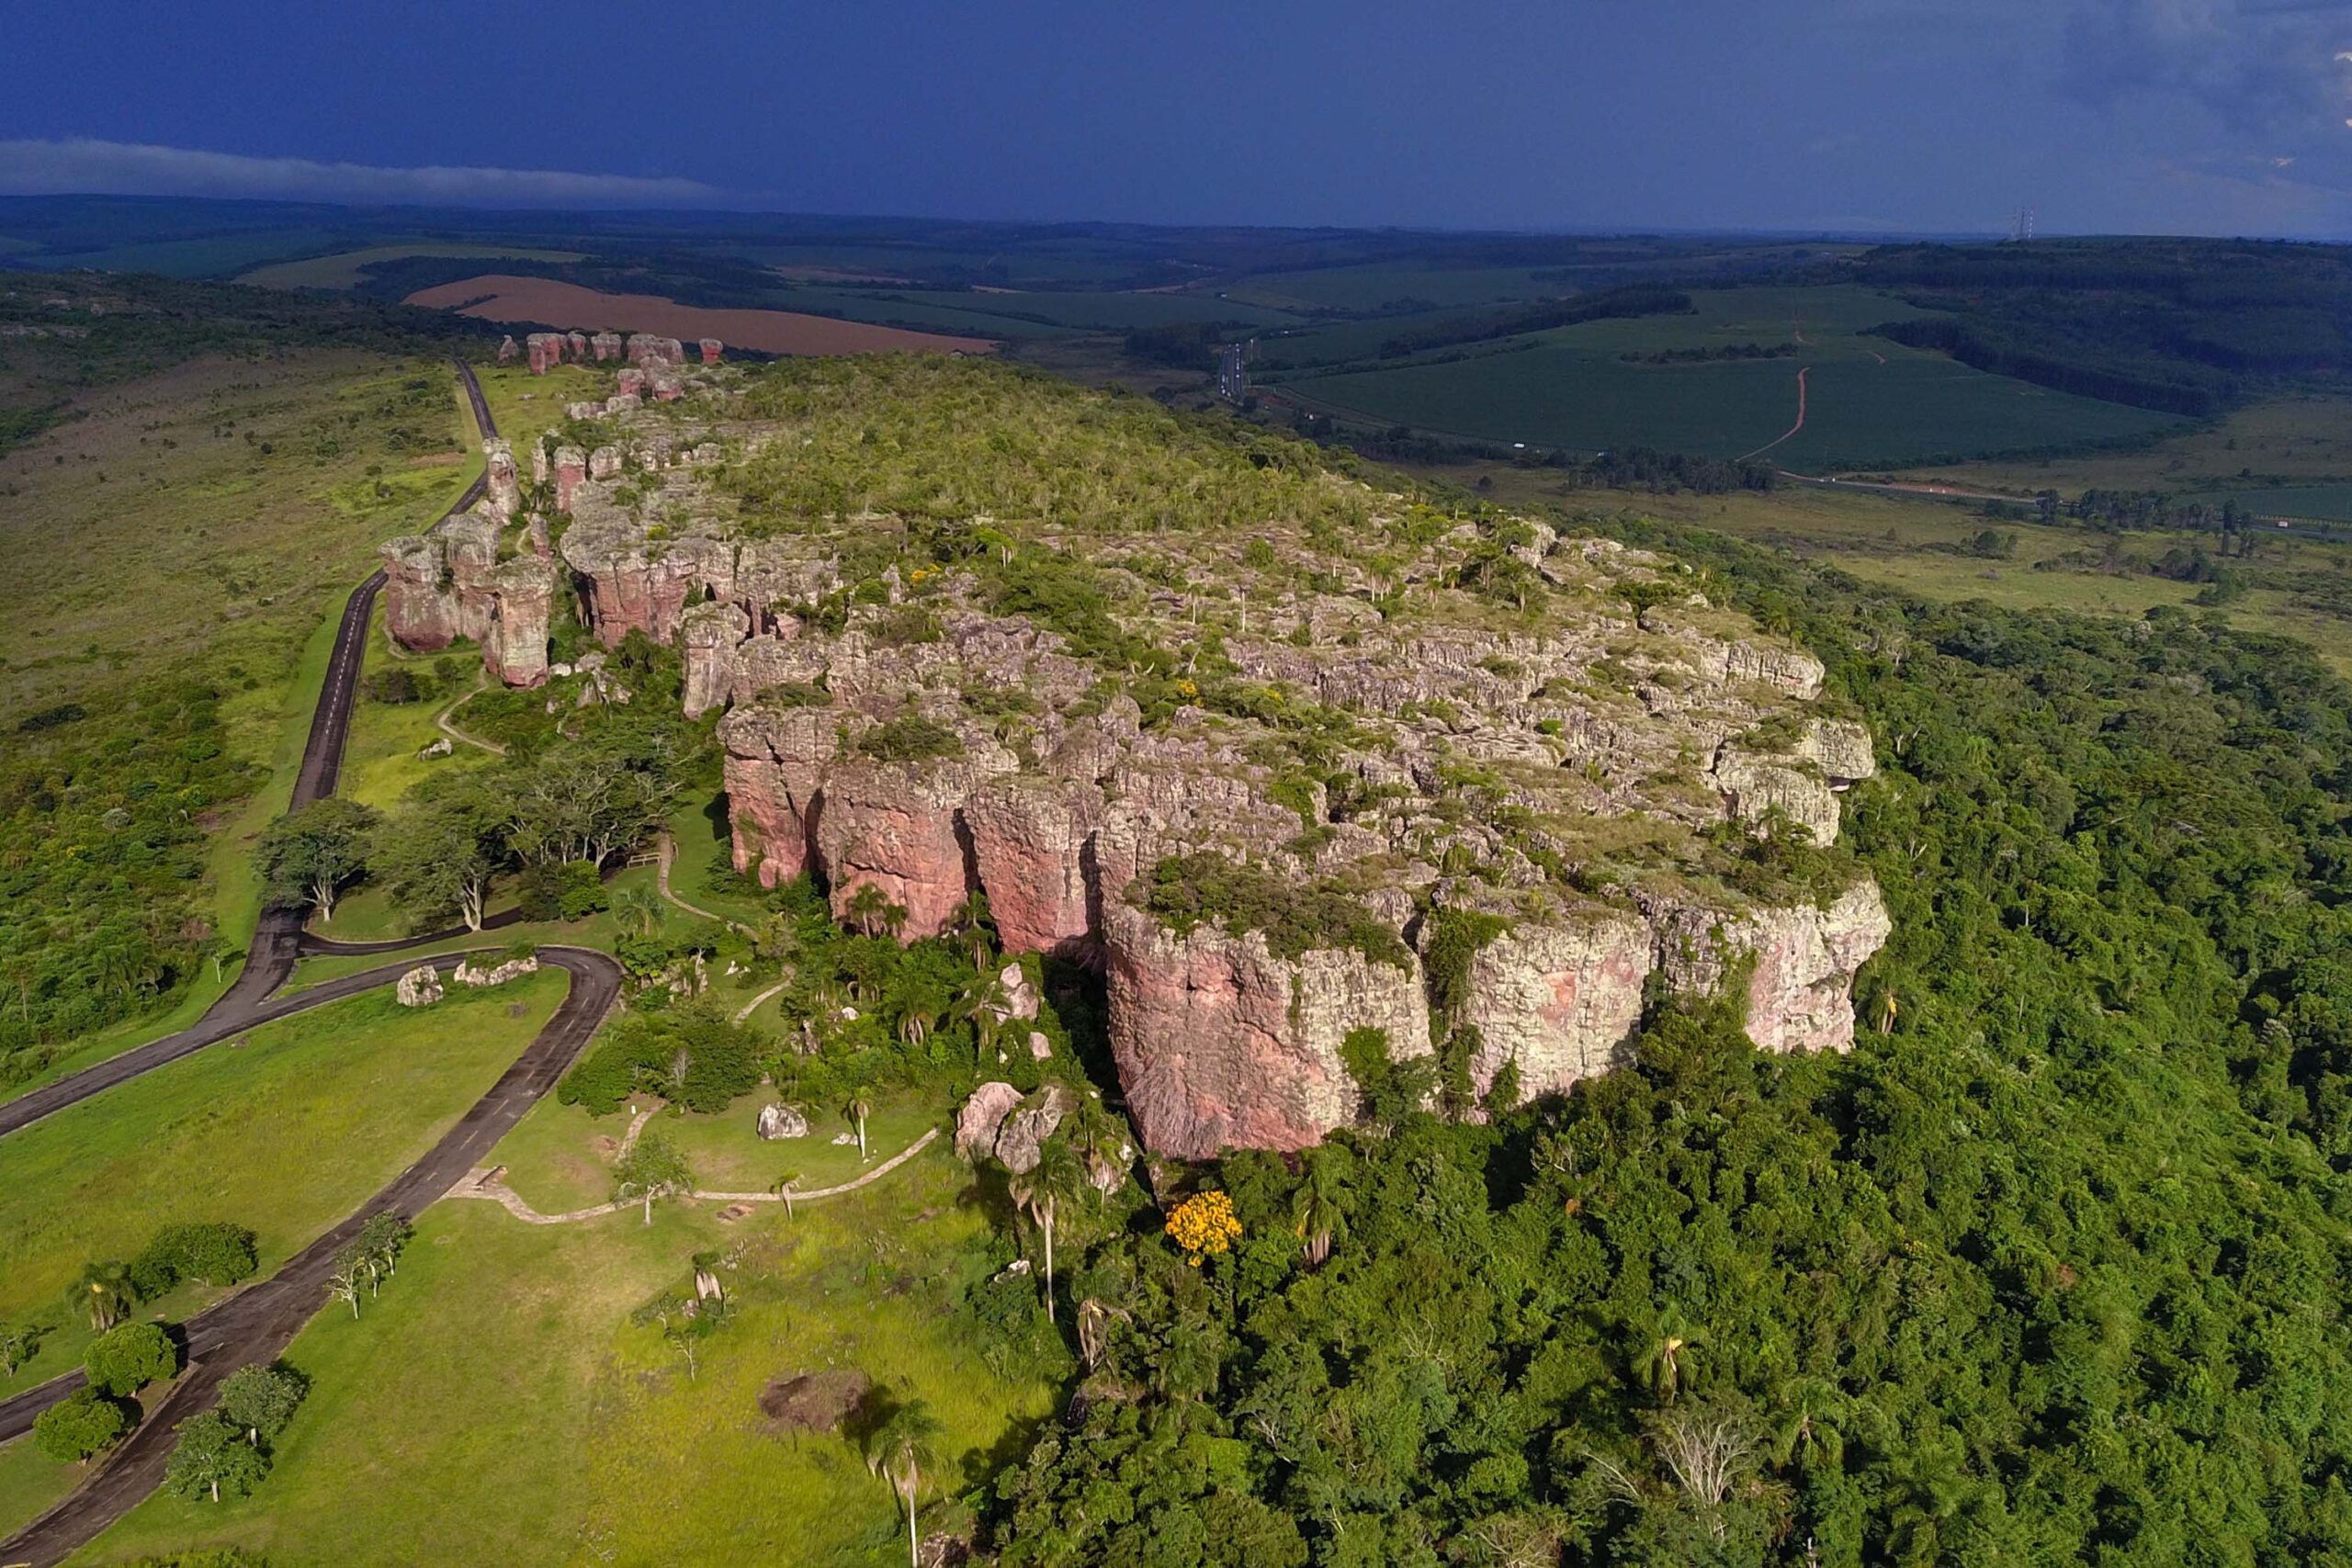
1868	400
346	269
499	298
991	310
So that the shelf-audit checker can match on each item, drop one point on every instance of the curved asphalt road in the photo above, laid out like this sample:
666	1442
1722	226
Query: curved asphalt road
256	1324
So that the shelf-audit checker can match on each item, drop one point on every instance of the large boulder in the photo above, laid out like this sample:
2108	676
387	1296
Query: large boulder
778	1122
420	987
978	1123
1027	1126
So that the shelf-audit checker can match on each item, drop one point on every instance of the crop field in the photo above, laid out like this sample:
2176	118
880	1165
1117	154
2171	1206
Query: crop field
347	269
499	298
1866	401
1384	284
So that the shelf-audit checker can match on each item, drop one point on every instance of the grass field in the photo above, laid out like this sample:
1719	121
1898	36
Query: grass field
1383	285
211	520
1868	400
286	1131
559	1157
2287	441
347	269
495	1405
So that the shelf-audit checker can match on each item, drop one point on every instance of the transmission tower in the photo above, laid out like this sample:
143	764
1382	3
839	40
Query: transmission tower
2021	224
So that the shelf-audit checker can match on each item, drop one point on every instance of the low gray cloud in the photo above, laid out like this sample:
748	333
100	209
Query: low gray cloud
81	165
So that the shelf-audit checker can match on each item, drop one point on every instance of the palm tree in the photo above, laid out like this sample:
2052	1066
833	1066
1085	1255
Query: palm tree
972	930
1318	1209
867	908
1811	1432
784	1185
901	1450
105	1292
638	908
1057	1178
983	1006
1662	1363
858	1108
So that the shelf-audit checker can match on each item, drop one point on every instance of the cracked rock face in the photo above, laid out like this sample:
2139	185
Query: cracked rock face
1221	1044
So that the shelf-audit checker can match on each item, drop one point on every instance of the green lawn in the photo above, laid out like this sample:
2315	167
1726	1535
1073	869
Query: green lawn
559	1158
286	1132
496	1406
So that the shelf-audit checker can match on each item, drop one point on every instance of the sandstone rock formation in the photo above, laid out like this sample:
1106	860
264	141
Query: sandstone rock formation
711	350
470	974
977	1121
450	583
779	1122
607	345
1257	787
506	350
420	987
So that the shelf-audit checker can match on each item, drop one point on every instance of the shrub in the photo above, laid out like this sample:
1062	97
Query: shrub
1186	890
84	1422
691	1056
216	1252
123	1360
909	737
395	685
579	892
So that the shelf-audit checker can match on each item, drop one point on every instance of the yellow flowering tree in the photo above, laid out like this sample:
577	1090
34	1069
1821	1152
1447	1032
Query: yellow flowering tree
1204	1224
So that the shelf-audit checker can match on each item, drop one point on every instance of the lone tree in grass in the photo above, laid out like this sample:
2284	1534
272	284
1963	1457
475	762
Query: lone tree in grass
899	1451
84	1422
653	1169
307	856
259	1401
127	1359
785	1185
213	1460
860	1106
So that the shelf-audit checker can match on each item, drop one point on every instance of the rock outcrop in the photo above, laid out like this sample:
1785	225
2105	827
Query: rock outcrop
1249	778
450	583
711	350
469	973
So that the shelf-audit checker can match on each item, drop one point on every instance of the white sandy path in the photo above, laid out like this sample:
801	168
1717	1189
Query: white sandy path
484	1184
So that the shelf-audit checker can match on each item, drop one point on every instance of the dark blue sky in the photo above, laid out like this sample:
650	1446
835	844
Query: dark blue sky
2208	116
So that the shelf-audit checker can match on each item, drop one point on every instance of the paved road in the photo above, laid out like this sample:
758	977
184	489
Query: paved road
256	1324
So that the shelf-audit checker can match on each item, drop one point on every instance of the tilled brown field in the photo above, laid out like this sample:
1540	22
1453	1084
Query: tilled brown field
497	297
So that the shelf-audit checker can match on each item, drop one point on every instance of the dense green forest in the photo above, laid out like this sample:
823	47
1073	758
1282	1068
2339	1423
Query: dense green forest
2046	1270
